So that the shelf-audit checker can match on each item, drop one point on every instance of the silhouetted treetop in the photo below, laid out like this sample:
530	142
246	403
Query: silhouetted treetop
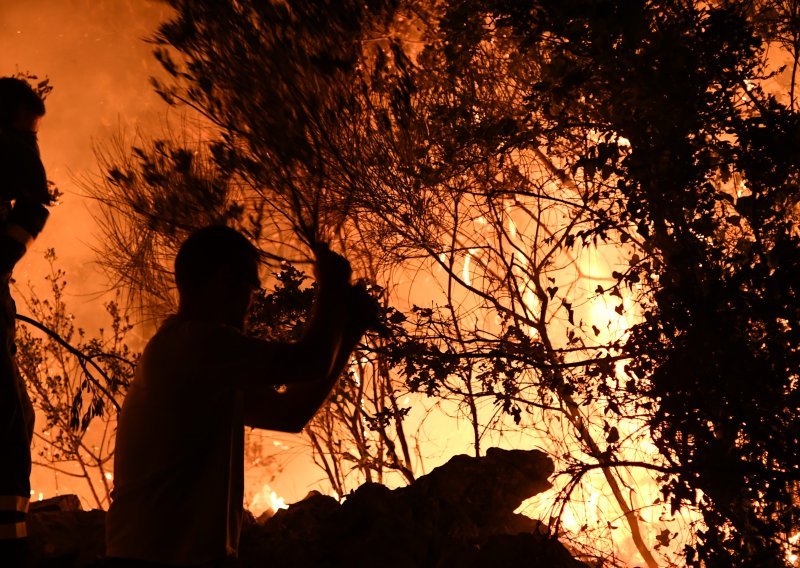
498	141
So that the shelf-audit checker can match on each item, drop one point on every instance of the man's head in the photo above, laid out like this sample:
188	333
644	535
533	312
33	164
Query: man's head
216	271
21	107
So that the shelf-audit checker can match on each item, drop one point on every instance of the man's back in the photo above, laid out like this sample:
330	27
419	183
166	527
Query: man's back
178	458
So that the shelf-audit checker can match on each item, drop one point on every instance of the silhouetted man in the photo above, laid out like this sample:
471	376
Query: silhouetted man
23	199
179	459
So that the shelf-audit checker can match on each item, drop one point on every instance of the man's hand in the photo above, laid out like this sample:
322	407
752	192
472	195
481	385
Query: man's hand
364	309
331	270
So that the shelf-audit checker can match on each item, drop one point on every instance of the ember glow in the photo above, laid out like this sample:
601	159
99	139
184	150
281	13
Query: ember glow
791	549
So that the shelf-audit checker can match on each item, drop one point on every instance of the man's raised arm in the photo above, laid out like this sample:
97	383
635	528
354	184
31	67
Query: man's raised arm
291	410
309	367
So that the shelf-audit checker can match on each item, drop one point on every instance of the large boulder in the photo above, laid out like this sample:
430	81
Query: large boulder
62	534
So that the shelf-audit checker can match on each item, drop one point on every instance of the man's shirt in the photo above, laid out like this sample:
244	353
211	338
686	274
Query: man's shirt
178	464
23	181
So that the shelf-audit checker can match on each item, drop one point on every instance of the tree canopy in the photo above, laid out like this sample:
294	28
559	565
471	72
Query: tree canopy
506	148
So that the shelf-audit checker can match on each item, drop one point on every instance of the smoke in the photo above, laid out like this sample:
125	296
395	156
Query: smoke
95	55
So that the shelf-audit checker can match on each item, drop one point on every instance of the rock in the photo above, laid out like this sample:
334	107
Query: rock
66	538
461	514
476	497
57	503
512	550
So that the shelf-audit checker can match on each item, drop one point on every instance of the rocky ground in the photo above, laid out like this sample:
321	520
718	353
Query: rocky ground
461	514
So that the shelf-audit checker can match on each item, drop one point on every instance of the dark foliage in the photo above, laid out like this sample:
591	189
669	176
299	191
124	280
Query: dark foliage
718	347
644	126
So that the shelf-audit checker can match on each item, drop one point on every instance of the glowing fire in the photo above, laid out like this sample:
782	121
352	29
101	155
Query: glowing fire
595	512
266	501
791	549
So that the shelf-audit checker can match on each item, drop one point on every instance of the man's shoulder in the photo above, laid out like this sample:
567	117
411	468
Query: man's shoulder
181	328
185	354
196	339
202	351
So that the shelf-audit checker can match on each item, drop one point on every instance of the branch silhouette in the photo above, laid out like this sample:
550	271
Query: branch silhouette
84	360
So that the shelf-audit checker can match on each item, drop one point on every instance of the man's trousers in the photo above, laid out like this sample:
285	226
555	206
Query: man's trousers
16	432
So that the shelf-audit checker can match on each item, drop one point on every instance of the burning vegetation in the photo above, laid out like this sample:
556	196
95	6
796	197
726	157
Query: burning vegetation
579	220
